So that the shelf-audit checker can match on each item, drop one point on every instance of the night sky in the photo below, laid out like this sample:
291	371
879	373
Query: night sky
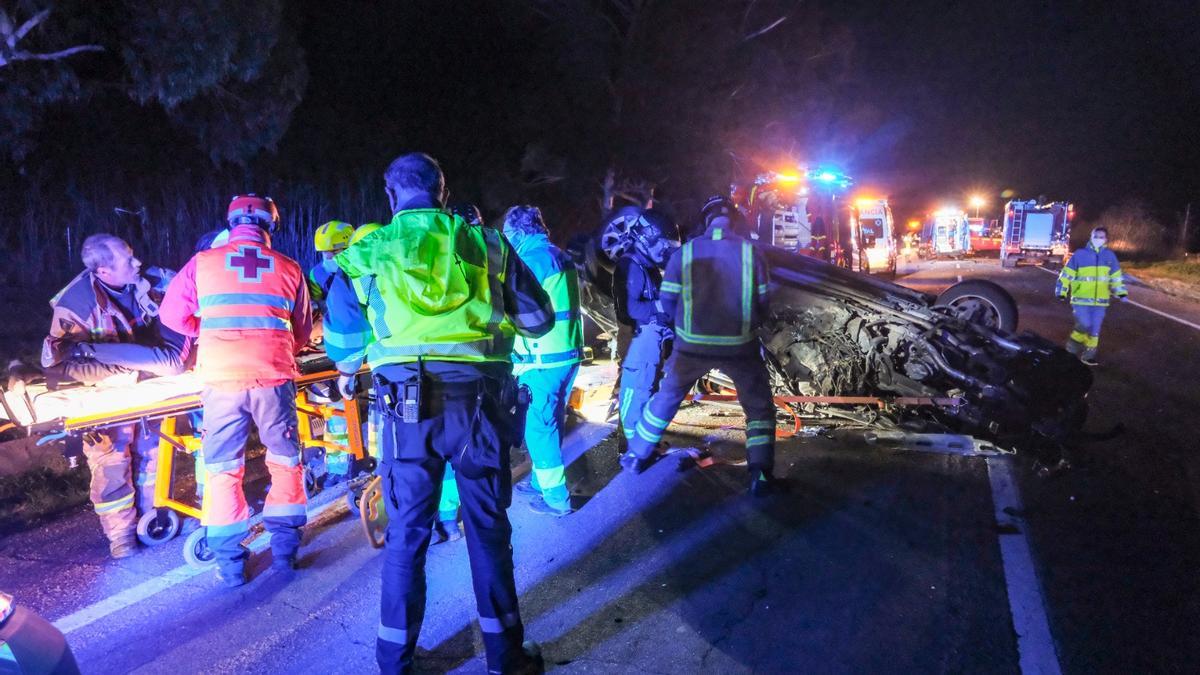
923	100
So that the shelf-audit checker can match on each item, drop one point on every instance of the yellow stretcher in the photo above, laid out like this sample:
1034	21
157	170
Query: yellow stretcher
165	521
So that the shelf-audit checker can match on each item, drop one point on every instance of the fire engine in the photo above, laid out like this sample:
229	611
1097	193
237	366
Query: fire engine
808	212
1035	231
985	235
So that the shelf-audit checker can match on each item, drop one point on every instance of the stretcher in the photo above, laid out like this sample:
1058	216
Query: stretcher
170	401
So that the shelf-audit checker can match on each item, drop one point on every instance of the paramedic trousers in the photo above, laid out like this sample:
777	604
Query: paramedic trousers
224	512
640	372
549	389
1085	338
749	375
462	429
123	461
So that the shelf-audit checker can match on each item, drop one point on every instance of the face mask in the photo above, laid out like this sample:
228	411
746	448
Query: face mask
329	265
1099	242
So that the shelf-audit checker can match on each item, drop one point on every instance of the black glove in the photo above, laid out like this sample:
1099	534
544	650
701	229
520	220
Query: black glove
1063	298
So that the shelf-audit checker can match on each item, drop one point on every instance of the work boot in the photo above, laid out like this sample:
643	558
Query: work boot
762	483
284	563
447	531
530	663
539	505
631	462
527	488
1089	360
232	578
123	548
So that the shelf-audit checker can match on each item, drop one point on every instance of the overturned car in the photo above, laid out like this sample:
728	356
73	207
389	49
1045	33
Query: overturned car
950	363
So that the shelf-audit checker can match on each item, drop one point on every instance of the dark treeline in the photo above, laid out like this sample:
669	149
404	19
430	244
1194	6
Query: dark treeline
167	109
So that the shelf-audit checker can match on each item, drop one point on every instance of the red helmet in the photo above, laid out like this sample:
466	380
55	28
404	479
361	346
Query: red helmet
250	209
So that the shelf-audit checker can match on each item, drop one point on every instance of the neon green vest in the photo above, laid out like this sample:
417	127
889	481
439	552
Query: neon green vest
433	288
563	345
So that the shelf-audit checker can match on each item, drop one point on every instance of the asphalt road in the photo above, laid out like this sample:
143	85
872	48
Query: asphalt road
879	559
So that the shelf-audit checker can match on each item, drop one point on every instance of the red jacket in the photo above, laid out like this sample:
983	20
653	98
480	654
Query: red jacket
249	306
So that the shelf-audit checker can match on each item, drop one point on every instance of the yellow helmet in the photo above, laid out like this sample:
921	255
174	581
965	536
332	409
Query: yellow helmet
333	236
363	230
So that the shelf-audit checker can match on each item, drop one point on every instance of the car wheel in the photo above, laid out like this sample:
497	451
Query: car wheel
981	302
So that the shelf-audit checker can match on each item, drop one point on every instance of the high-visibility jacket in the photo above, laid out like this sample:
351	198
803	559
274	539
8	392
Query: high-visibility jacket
563	345
1091	277
249	306
716	288
433	288
346	330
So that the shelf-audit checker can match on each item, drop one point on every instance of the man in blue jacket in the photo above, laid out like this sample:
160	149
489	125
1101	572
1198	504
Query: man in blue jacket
1089	280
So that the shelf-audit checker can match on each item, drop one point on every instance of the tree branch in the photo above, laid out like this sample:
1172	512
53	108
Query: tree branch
52	56
765	29
29	25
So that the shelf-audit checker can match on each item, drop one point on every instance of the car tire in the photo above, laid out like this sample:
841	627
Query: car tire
981	302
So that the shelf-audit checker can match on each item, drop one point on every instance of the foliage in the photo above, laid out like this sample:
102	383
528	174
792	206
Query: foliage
29	497
1185	269
1132	231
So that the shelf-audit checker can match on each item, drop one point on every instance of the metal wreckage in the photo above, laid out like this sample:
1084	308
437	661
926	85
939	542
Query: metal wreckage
846	349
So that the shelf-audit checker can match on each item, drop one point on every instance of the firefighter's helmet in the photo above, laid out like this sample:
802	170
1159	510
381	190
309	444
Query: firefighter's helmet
250	209
362	231
333	236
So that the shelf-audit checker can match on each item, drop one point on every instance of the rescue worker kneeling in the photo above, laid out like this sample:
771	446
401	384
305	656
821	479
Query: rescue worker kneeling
715	287
445	300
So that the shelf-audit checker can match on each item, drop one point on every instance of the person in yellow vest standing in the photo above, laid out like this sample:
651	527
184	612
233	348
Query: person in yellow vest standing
249	305
444	300
546	365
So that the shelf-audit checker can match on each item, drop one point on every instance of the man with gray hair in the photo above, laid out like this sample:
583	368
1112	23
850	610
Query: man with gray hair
105	323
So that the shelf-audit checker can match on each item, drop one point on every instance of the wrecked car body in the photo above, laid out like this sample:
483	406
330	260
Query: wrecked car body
837	333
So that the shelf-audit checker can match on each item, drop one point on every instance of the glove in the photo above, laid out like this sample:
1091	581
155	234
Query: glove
1123	298
1062	298
347	385
633	463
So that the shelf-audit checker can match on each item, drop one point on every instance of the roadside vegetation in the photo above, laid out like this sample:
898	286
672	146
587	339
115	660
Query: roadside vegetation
28	498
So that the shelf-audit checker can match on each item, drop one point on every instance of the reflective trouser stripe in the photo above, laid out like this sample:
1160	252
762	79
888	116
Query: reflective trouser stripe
761	424
125	502
623	413
394	635
651	437
238	529
551	477
490	625
283	460
284	510
223	467
752	441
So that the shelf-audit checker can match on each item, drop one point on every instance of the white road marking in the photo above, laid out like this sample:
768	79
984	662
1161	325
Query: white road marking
1035	645
1148	309
579	441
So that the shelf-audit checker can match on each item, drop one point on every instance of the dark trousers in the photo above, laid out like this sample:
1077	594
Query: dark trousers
749	375
457	429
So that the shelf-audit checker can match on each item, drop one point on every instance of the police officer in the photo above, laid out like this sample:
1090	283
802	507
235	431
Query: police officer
445	300
715	288
249	305
636	280
547	365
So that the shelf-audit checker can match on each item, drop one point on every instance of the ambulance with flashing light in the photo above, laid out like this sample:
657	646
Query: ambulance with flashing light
947	234
871	247
800	211
1033	231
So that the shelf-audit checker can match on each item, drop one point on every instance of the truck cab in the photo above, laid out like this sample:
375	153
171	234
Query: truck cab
1034	231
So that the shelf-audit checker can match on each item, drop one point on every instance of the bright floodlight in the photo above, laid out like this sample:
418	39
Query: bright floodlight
977	201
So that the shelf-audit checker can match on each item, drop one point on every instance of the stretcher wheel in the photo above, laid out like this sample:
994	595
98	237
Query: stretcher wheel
158	526
196	551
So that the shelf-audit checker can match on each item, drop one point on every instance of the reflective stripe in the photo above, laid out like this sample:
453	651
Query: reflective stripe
558	357
747	285
718	234
657	421
687	288
762	289
1091	341
490	625
284	510
670	287
394	635
480	348
719	340
241	527
222	322
550	478
118	504
262	299
752	441
284	460
1089	302
761	424
648	436
226	466
1079	336
536	317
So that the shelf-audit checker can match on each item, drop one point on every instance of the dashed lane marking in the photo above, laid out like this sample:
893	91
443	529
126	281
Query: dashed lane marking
1035	645
1147	308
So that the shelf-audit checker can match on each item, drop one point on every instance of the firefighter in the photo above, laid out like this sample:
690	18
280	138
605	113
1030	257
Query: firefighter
445	299
105	322
547	365
1089	280
330	239
636	280
715	288
249	306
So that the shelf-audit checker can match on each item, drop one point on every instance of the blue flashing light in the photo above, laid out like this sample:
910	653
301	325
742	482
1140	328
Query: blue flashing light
827	176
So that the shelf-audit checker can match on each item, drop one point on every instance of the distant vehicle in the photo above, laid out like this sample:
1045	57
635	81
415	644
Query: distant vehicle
985	235
872	245
807	213
946	234
1035	231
